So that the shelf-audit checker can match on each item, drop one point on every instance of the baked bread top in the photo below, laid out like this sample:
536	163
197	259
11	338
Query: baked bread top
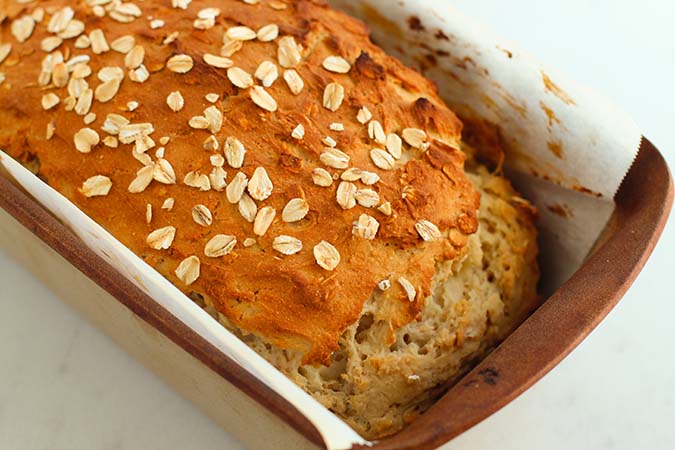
351	179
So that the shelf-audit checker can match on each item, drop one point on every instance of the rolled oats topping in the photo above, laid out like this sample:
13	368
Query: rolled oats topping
321	177
351	174
98	42
211	143
263	99
188	270
248	208
364	115
60	19
60	74
333	96
346	195
382	159
83	103
287	245
50	100
239	78
85	139
110	141
215	118
134	58
334	158
218	61
409	289
217	178
51	129
107	90
202	215
168	204
260	186
139	75
143	179
142	158
428	231
123	44
267	73
48	44
234	152
263	220
236	188
385	208
329	141
415	137
5	49
220	245
74	29
162	238
208	13
197	180
366	227
367	198
241	33
369	178
199	122
268	33
376	132
295	210
163	172
289	53
294	81
230	47
22	28
298	132
180	4
113	125
96	186
108	73
336	64
38	13
394	145
180	63
326	255
130	132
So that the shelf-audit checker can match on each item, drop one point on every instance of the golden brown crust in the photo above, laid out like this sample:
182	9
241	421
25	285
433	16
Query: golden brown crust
289	300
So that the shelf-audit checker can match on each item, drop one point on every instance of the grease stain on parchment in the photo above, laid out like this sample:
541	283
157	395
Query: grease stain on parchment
554	89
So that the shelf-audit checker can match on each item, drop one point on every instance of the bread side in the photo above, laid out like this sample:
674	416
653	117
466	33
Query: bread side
382	377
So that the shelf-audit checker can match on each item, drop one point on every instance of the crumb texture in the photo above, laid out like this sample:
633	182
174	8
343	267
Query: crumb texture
384	376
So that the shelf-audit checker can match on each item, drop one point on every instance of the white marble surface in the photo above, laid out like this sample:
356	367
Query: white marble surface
69	387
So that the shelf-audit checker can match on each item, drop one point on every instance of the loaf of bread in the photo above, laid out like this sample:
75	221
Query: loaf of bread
305	188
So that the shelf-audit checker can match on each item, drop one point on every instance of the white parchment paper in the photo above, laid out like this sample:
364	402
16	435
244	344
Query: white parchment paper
481	77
